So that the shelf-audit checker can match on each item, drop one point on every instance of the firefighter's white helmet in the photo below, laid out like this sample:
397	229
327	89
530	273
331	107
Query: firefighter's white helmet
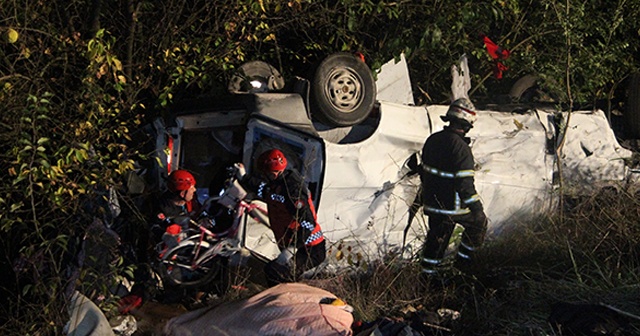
462	109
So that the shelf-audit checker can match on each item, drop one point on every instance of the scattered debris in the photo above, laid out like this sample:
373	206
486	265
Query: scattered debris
587	319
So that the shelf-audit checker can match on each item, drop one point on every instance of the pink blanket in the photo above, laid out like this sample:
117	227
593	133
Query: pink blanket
286	309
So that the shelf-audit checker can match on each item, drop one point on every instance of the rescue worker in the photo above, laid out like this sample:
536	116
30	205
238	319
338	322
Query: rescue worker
448	191
292	217
178	201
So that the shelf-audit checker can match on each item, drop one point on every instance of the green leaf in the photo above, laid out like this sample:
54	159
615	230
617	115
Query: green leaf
16	206
79	155
26	289
19	179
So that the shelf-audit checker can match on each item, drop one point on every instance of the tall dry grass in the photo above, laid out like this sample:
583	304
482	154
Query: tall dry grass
589	253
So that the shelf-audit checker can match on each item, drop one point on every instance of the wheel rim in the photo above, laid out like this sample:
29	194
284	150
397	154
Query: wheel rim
344	89
181	271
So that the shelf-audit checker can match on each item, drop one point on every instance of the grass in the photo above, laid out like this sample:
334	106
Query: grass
590	253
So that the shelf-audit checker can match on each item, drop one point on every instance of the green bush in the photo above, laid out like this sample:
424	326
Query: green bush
81	78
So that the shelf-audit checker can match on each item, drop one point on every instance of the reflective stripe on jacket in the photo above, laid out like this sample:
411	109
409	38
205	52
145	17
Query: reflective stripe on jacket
447	174
292	215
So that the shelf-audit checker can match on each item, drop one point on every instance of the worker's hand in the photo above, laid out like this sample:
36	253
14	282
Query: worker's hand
285	257
477	213
413	163
241	171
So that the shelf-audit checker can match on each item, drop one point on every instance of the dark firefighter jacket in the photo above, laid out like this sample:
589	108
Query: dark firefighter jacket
165	211
292	215
447	174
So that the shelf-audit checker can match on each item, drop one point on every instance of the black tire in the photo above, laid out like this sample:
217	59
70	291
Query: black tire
176	266
632	107
523	90
343	91
221	284
256	70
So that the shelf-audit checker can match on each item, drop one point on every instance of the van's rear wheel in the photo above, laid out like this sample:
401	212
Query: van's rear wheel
343	91
523	90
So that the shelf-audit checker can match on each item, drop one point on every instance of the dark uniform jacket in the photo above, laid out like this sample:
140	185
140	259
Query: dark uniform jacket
447	174
165	210
292	215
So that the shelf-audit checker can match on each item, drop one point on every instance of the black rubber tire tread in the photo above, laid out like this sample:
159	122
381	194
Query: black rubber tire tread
175	275
240	84
632	107
521	86
323	108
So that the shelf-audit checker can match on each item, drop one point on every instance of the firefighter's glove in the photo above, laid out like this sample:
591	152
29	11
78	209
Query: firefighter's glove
413	163
241	171
477	213
286	256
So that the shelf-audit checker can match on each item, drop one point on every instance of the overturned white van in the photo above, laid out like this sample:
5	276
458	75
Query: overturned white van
357	174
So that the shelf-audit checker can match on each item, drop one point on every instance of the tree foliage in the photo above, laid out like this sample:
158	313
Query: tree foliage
78	79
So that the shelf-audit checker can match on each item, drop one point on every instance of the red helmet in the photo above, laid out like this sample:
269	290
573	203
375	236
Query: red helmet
180	180
272	160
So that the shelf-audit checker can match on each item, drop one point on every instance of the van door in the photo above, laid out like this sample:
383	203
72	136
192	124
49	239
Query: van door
304	152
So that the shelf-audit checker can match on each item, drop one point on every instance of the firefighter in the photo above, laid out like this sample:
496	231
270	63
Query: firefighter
178	200
292	217
448	192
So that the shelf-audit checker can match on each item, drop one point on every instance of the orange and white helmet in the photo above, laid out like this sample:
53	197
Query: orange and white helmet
461	109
